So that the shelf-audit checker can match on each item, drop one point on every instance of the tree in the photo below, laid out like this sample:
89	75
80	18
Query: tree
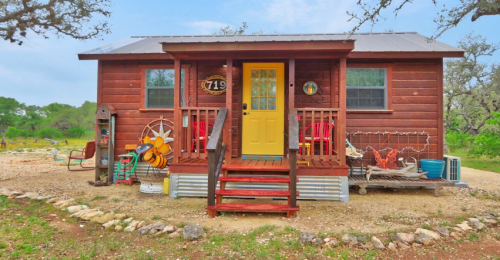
74	18
228	30
449	16
471	87
10	111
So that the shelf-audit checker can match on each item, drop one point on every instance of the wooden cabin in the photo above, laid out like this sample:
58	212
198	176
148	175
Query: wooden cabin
266	111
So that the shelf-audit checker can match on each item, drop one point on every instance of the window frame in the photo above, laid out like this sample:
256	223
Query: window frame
388	87
186	69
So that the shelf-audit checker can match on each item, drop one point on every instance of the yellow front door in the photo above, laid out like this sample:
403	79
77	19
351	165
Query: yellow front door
263	108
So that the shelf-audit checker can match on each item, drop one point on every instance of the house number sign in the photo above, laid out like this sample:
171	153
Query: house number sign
214	85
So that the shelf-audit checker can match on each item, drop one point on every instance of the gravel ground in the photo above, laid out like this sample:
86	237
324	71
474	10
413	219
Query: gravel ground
379	211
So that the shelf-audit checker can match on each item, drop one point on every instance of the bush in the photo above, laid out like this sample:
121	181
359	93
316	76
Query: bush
14	132
487	143
49	132
75	132
456	140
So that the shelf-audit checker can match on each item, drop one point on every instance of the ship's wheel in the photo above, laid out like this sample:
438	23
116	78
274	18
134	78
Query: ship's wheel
158	132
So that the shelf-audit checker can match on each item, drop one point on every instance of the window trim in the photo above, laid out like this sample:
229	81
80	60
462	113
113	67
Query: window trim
143	107
388	92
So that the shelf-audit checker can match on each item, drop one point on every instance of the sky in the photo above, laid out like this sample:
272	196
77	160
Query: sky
44	71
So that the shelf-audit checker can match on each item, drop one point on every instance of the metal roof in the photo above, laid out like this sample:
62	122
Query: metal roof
364	42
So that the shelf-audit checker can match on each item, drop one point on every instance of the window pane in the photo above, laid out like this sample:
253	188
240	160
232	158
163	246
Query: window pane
160	88
366	88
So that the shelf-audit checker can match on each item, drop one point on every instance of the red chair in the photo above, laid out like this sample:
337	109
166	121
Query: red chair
85	154
201	134
317	135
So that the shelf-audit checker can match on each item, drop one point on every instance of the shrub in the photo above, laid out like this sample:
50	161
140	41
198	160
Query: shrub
75	132
487	143
456	140
49	132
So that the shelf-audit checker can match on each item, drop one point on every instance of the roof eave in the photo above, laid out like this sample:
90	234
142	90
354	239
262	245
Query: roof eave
406	54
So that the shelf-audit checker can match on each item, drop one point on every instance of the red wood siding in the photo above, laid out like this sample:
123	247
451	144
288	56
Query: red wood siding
414	101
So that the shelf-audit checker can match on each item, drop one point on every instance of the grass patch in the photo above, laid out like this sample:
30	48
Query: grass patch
472	237
481	163
99	197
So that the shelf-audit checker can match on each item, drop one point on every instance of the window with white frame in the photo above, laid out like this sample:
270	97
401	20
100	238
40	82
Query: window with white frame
160	88
366	88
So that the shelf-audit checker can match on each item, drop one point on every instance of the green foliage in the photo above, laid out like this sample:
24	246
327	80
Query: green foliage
51	121
49	132
487	143
456	140
75	132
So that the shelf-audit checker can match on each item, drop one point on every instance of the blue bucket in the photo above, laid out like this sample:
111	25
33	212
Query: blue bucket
434	168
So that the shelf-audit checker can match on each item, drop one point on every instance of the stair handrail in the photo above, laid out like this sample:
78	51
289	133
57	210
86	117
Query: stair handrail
293	148
216	150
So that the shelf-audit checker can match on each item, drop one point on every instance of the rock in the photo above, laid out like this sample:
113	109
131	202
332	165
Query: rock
457	229
392	247
490	222
155	228
64	203
168	229
141	224
455	235
333	242
306	238
476	224
349	239
426	237
40	198
317	241
82	212
405	238
193	232
362	239
92	214
464	226
28	195
132	226
428	233
74	209
127	221
416	245
144	230
443	231
326	240
118	228
175	234
111	223
120	216
377	243
403	246
104	218
53	200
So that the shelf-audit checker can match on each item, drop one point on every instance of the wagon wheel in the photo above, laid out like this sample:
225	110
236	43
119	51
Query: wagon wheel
162	128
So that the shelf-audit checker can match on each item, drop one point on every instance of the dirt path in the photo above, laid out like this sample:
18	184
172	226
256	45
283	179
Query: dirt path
379	211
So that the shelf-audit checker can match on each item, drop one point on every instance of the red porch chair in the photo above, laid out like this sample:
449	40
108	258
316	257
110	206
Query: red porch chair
201	134
85	154
317	135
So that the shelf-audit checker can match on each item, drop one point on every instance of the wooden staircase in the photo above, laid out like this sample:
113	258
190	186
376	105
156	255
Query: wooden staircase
232	169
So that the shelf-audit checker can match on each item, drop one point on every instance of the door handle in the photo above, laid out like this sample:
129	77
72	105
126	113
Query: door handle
246	113
244	106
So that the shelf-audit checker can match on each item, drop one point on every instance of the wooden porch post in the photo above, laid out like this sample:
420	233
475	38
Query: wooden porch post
291	83
177	110
229	104
342	110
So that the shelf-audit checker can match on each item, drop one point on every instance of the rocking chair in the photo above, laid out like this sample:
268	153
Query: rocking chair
85	154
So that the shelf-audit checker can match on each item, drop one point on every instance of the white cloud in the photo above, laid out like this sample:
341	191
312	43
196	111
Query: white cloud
206	27
320	16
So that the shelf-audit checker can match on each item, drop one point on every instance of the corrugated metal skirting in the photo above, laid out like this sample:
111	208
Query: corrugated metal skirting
333	188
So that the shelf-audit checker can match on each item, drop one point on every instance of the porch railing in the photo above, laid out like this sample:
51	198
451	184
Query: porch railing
318	135
293	148
197	123
216	150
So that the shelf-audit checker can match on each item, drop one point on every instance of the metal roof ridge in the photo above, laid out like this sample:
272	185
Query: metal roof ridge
262	35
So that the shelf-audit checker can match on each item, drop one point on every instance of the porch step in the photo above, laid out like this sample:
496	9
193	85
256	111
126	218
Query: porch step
255	168
252	207
255	179
254	193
